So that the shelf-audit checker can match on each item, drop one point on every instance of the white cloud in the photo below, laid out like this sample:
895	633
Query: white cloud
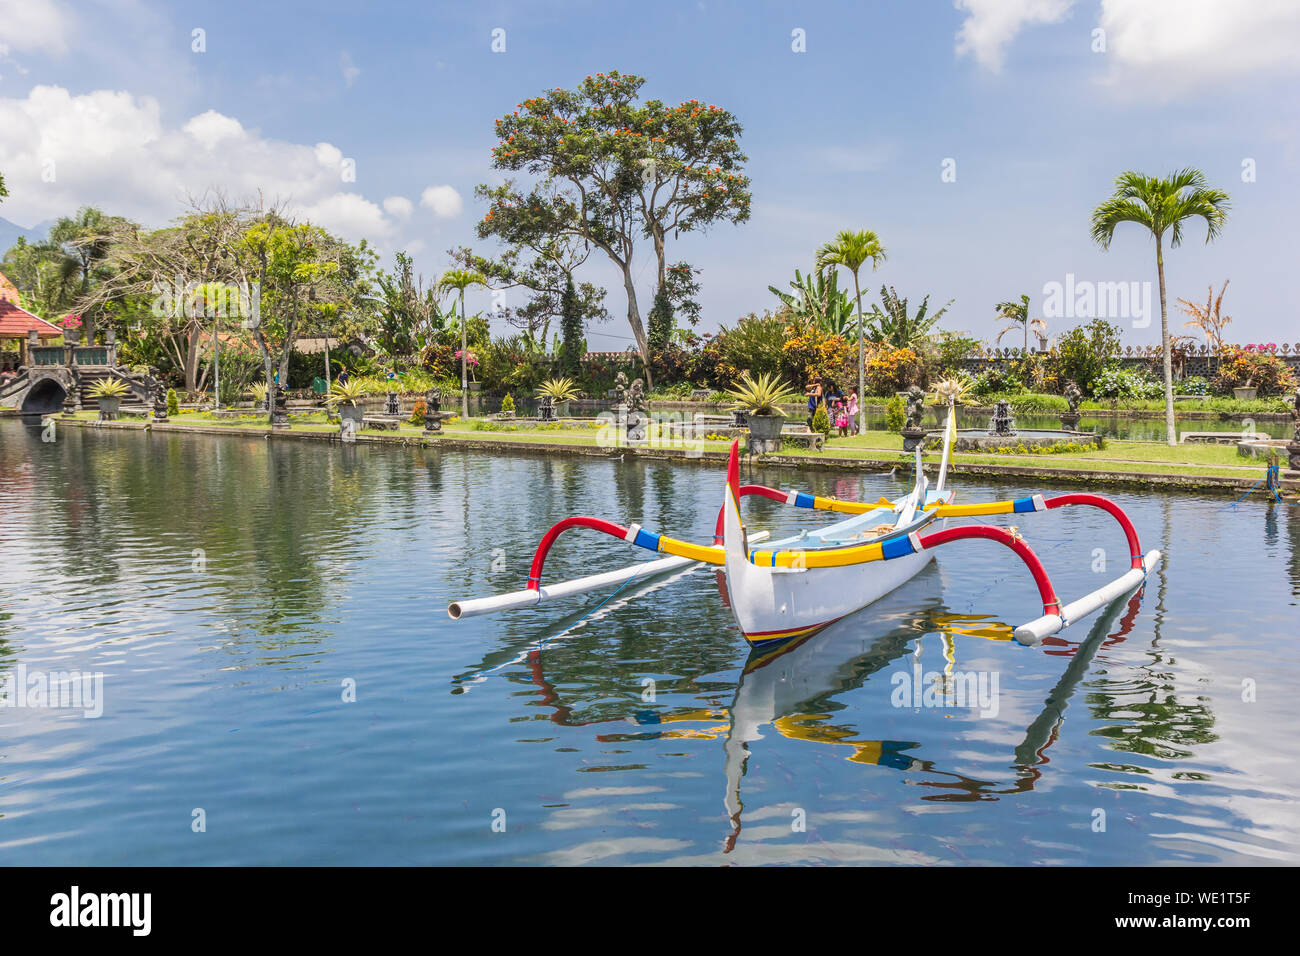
1175	45
35	25
113	150
211	128
350	70
399	207
443	200
991	25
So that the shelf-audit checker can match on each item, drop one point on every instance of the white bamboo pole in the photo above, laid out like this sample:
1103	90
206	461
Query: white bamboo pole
551	592
1034	632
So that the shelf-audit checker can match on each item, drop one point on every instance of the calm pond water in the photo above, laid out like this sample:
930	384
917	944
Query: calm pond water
233	591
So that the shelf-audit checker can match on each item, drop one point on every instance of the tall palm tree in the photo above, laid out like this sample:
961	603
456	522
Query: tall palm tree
851	249
460	280
1160	206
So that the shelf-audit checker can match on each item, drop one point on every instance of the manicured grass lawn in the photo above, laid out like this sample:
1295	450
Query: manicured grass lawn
1125	457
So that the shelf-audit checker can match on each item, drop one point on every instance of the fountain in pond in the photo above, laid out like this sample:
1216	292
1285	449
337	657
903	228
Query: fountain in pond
1003	425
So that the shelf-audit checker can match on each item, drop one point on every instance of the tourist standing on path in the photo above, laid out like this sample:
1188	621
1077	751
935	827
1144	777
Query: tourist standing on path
853	409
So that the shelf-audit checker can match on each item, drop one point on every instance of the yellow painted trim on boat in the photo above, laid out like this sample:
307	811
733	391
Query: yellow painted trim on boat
969	511
823	558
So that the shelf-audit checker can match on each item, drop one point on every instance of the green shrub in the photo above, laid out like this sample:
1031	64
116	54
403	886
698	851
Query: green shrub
1086	350
508	403
173	403
1195	385
821	420
895	414
994	380
1123	383
1029	403
1246	368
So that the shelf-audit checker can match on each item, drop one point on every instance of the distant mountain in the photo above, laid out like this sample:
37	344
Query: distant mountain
10	231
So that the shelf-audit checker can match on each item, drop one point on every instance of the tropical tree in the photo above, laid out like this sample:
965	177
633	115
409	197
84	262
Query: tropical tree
1162	206
1209	318
893	325
4	191
288	261
612	170
851	249
80	245
1017	313
817	298
543	267
660	321
459	280
571	347
169	284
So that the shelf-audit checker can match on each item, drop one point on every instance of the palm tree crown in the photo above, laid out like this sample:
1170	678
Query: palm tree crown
1161	205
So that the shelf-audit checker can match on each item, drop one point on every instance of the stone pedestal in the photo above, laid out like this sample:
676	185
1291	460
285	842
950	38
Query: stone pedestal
432	412
913	437
637	426
391	405
546	409
1070	420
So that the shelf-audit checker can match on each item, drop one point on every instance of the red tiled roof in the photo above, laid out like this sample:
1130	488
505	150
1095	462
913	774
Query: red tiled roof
8	291
16	322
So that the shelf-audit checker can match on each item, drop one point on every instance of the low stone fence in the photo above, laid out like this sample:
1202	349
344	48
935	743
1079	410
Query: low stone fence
1199	361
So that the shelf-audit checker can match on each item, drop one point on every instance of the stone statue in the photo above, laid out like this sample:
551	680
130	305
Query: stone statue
913	433
636	396
915	407
620	388
1073	395
432	406
279	403
159	395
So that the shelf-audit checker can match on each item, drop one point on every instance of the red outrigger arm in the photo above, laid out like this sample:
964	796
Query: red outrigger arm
1051	604
1097	501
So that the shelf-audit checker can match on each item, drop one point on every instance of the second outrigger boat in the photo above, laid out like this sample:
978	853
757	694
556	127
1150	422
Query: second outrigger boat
798	585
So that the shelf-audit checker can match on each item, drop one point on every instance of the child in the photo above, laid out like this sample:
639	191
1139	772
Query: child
853	409
842	418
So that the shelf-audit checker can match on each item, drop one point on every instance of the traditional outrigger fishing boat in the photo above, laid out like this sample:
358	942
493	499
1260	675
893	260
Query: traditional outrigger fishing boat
798	585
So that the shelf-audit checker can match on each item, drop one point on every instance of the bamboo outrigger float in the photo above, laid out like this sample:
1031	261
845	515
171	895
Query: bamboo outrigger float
796	586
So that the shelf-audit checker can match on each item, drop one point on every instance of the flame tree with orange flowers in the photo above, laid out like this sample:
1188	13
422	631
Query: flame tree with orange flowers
611	171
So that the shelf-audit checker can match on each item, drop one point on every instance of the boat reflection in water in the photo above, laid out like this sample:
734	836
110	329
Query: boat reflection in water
792	691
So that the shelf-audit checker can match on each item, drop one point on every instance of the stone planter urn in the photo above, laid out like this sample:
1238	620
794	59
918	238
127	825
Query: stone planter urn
1245	393
764	433
352	413
562	409
108	409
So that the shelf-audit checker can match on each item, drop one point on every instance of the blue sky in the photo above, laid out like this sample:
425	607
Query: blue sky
852	133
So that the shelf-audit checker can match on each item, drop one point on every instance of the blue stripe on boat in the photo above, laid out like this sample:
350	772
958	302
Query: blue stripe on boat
896	547
1023	505
647	539
803	500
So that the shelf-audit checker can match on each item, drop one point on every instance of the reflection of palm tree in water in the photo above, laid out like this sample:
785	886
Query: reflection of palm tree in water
1163	726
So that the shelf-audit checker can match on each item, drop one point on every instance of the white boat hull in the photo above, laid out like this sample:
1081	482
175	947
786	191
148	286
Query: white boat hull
778	604
773	604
